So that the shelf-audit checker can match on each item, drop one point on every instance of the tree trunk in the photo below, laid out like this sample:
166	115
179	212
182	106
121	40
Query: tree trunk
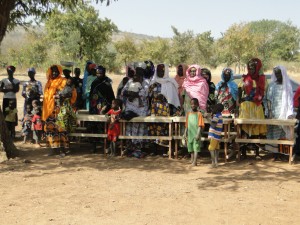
6	6
6	143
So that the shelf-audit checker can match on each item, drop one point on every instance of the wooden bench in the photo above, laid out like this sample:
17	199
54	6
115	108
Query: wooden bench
227	135
279	122
148	119
84	117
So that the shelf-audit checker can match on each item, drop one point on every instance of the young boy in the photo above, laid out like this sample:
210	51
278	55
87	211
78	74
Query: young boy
214	133
193	125
37	126
11	118
113	130
26	123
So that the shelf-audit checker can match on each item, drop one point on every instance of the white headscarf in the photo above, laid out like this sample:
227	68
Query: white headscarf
287	94
287	107
169	86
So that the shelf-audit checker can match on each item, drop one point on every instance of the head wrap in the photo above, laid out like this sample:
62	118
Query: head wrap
196	87
31	70
101	69
233	88
287	93
11	68
180	79
169	87
258	78
49	71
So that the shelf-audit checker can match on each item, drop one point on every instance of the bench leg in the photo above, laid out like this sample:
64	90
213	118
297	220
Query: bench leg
291	154
170	149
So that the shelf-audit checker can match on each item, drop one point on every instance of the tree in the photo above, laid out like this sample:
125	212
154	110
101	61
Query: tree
182	46
237	45
127	49
157	50
79	32
205	49
277	39
17	12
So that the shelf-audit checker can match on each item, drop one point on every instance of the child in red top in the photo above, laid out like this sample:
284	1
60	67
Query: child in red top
113	130
37	126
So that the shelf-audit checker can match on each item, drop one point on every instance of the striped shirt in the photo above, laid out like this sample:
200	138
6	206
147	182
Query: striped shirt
215	132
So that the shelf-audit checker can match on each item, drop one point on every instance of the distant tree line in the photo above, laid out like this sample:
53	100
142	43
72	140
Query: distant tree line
78	34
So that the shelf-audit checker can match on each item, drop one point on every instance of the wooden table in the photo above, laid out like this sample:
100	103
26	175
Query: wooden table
279	122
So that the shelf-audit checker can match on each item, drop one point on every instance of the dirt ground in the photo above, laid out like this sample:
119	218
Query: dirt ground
84	188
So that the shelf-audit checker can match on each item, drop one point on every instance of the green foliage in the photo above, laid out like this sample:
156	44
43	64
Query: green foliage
16	12
127	50
157	50
205	50
277	40
80	33
182	46
237	45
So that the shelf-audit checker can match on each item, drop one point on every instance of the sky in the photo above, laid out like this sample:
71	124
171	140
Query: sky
155	17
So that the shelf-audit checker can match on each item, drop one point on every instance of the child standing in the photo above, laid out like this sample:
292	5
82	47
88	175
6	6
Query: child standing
11	118
26	123
214	133
37	126
113	130
193	125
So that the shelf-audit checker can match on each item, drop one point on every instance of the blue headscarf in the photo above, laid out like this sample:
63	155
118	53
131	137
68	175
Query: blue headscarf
233	88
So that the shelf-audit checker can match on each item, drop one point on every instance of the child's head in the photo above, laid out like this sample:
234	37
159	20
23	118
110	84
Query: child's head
28	108
69	81
218	108
194	104
38	110
11	104
35	103
125	80
116	104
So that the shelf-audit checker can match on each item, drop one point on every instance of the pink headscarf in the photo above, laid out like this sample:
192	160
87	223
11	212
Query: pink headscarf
196	87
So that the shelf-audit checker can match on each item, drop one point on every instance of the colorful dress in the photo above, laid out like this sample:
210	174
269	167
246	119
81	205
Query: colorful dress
26	125
137	129
32	90
253	90
113	130
226	93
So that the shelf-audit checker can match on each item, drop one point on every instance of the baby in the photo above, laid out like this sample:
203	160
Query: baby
135	86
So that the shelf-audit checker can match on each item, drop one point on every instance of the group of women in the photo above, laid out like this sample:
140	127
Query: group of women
149	90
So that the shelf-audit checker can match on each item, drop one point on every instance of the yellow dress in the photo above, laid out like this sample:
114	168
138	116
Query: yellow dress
250	110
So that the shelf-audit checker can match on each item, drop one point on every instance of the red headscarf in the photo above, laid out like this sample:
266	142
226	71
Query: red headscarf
259	79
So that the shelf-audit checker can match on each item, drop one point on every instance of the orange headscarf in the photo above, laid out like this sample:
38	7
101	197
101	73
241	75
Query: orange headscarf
52	86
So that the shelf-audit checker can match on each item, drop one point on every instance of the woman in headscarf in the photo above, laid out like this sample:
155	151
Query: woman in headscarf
211	96
279	98
57	112
90	79
101	93
195	86
130	71
163	92
84	81
251	91
133	108
226	91
55	83
180	76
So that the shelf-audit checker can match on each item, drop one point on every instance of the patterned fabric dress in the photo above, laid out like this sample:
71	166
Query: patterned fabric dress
137	129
